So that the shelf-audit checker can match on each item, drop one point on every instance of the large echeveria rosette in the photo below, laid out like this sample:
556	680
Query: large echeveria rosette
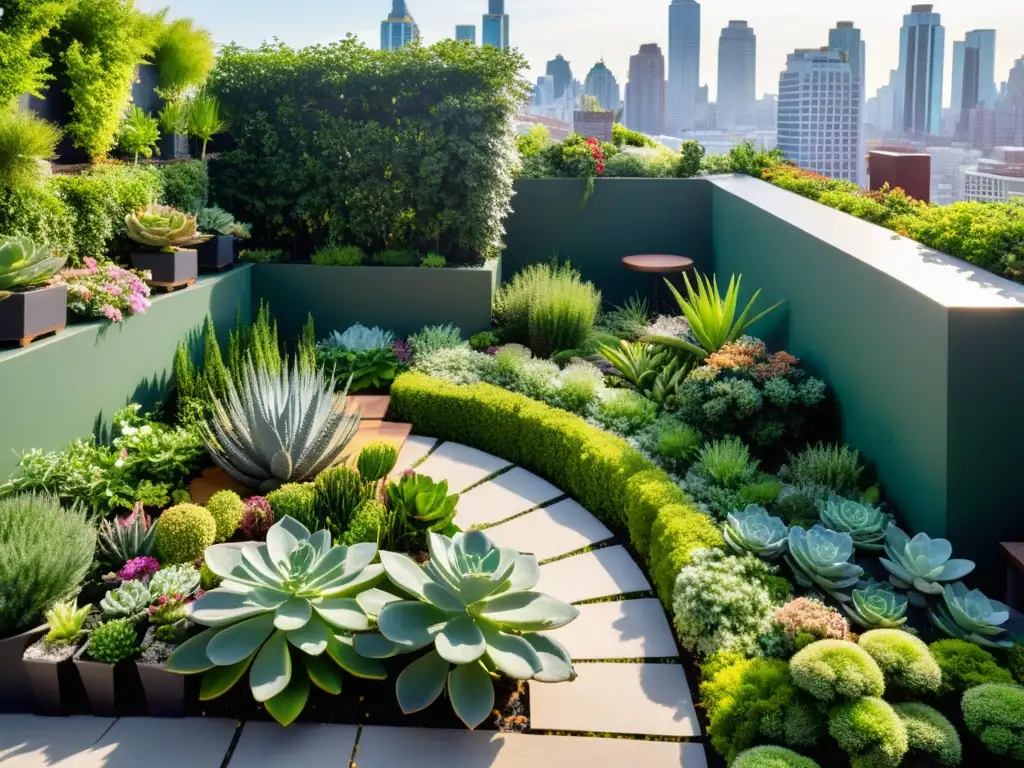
921	564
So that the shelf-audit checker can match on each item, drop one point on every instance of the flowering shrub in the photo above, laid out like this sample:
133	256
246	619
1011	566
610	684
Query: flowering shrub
805	614
139	569
109	291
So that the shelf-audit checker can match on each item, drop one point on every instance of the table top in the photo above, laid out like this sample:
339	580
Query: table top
657	262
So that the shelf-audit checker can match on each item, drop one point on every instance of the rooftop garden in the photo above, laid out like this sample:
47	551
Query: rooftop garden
286	526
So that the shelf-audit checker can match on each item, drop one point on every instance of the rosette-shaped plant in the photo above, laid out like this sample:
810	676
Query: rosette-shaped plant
820	557
969	615
24	264
130	600
877	606
165	227
476	605
921	563
175	580
278	613
421	505
866	524
126	538
754	530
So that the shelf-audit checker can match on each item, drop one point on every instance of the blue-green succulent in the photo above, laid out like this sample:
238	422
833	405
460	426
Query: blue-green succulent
877	606
921	563
866	524
820	557
754	530
969	615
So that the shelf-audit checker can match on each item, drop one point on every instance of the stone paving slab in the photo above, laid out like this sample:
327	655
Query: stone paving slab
648	699
371	406
549	532
415	448
506	495
197	742
460	465
602	573
300	745
627	629
34	742
429	748
391	432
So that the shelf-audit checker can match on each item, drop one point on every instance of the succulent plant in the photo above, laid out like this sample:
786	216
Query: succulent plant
865	524
969	615
921	563
278	428
24	264
66	622
337	493
876	606
820	557
217	221
165	227
283	612
173	580
113	642
420	505
129	601
754	530
257	518
376	460
476	605
126	538
359	338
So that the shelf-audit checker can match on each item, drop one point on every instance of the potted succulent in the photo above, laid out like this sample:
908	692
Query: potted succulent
171	237
56	687
106	668
33	301
222	251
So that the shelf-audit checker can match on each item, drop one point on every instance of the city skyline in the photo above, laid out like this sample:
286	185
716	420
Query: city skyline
538	29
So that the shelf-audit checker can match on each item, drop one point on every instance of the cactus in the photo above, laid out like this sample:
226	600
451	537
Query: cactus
164	227
376	460
24	264
337	493
114	641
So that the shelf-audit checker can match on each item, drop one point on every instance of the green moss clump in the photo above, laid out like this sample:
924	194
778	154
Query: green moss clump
678	531
965	665
905	660
773	757
1015	661
296	500
113	642
366	523
226	508
183	533
649	493
995	714
871	732
208	579
929	731
836	669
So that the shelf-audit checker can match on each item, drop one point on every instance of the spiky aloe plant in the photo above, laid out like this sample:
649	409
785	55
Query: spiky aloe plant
754	530
877	606
164	227
820	557
970	615
126	538
284	611
475	604
921	563
277	428
866	524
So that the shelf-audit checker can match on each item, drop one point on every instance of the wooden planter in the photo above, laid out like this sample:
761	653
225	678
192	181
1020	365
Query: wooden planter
217	254
56	686
15	685
26	316
169	270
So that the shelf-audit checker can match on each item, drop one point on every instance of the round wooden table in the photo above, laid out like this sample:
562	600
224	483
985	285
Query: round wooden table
656	265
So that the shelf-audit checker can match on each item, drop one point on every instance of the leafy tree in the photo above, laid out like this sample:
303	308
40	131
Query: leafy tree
23	26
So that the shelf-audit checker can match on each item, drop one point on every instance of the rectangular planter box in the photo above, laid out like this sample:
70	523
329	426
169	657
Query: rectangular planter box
24	316
168	269
56	686
217	254
165	691
173	146
15	685
110	690
401	299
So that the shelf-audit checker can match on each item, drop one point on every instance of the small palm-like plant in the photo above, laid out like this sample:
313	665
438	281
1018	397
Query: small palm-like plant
970	615
865	524
713	320
164	227
877	606
754	530
475	604
277	428
25	264
140	133
921	563
284	612
204	120
820	557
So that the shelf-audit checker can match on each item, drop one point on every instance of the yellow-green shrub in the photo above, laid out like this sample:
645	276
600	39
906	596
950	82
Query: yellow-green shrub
871	732
649	492
905	660
226	508
836	669
929	732
772	757
183	533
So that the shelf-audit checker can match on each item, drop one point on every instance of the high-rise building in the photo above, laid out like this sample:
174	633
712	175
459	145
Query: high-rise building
956	103
983	41
683	65
602	85
561	71
819	113
980	131
495	27
922	47
645	92
544	91
737	73
466	32
846	38
399	28
885	120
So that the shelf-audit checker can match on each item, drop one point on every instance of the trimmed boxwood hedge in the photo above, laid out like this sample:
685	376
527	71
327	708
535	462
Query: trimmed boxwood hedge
603	472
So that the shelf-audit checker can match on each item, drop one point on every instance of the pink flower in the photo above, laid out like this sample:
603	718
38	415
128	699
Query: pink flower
112	313
139	569
90	264
112	289
138	303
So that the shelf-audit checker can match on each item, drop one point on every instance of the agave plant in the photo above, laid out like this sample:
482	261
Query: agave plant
970	615
284	611
130	600
877	606
25	264
420	505
216	220
278	428
754	530
866	524
164	227
820	557
126	538
476	605
637	364
359	338
921	563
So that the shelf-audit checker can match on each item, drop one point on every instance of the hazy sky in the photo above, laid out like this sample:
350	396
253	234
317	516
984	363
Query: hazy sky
585	30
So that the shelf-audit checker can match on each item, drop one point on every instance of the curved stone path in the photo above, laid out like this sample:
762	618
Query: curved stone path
630	682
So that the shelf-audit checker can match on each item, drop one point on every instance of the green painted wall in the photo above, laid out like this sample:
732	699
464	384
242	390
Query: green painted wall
65	387
402	299
622	217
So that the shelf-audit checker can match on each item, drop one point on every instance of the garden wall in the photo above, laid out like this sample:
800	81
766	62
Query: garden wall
67	386
622	217
916	345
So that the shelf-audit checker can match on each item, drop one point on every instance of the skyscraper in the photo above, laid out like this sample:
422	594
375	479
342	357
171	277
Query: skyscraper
846	38
495	28
645	92
602	85
819	113
956	103
737	71
922	47
399	28
561	71
982	81
683	65
466	32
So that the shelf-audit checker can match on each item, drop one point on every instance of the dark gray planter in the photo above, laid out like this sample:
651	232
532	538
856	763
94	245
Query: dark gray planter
165	691
26	316
15	685
56	686
168	269
110	689
173	146
217	254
